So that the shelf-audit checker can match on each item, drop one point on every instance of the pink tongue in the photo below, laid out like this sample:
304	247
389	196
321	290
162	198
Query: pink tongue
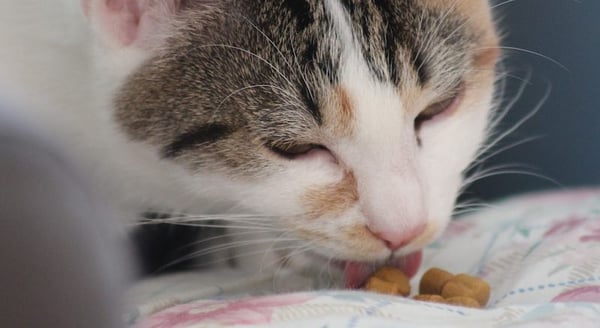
356	273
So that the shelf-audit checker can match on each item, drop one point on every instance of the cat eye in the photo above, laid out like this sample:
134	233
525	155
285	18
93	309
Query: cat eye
293	151
447	105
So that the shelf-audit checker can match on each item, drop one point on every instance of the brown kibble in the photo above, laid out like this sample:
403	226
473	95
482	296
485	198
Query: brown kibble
456	289
391	274
375	284
429	298
436	286
433	281
469	286
395	276
463	301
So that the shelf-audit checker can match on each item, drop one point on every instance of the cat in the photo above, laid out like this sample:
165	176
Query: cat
339	128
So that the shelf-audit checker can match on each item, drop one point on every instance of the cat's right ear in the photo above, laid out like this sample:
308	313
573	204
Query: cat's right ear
129	23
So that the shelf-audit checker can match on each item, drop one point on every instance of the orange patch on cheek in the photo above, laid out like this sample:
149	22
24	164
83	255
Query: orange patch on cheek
339	113
358	232
333	199
312	235
360	236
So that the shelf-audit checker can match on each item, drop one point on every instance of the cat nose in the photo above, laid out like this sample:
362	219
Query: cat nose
396	239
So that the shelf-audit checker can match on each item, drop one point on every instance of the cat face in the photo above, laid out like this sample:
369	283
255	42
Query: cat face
348	121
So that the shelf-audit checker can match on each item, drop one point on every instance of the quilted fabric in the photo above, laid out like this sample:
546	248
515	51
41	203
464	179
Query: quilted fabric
540	253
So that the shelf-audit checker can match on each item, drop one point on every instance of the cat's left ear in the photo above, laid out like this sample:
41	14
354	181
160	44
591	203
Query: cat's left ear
127	23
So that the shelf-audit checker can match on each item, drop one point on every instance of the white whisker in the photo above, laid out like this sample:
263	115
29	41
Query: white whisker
244	254
518	172
517	125
480	160
199	225
531	52
500	115
502	4
219	248
225	236
253	87
272	66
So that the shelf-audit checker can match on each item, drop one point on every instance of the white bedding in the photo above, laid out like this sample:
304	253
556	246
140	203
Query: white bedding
540	253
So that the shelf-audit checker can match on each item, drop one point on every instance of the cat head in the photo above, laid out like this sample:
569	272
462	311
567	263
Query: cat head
350	122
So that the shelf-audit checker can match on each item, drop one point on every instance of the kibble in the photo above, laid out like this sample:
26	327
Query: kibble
389	280
436	285
433	281
463	285
375	284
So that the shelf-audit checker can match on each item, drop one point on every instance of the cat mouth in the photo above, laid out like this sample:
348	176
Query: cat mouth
357	273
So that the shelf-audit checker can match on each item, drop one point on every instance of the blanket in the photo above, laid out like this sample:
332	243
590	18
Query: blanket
539	252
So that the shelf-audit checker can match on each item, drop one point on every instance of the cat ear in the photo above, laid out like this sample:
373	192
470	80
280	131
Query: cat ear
125	23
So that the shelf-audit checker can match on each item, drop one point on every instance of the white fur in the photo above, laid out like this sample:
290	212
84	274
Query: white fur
70	82
383	154
47	55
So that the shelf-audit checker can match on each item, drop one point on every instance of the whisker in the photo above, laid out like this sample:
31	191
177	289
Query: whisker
181	215
250	88
526	173
300	70
473	208
468	181
270	249
285	260
218	248
500	115
486	170
210	218
239	255
439	24
530	52
268	40
470	203
502	4
224	236
480	160
519	123
272	66
248	227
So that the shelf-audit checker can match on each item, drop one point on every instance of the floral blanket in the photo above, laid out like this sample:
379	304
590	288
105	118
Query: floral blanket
539	252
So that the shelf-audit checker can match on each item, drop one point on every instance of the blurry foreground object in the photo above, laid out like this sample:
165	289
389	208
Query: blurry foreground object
62	259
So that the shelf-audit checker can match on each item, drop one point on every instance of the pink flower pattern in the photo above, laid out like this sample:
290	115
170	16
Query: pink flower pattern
582	294
239	312
593	235
564	226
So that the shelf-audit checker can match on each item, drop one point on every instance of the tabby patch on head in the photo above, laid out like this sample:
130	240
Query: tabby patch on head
348	122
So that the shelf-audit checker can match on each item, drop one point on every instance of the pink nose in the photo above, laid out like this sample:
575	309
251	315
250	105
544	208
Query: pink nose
397	239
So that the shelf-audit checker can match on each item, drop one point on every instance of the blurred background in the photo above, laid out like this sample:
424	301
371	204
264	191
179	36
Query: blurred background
568	123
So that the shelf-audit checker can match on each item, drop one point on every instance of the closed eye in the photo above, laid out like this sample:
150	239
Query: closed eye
440	108
293	151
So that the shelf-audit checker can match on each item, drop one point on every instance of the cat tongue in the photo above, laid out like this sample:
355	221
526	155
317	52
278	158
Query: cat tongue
356	273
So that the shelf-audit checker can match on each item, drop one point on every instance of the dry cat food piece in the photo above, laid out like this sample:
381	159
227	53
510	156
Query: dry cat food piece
389	280
437	285
375	284
433	281
461	289
465	285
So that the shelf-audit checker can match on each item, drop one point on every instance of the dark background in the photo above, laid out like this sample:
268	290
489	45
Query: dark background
567	31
